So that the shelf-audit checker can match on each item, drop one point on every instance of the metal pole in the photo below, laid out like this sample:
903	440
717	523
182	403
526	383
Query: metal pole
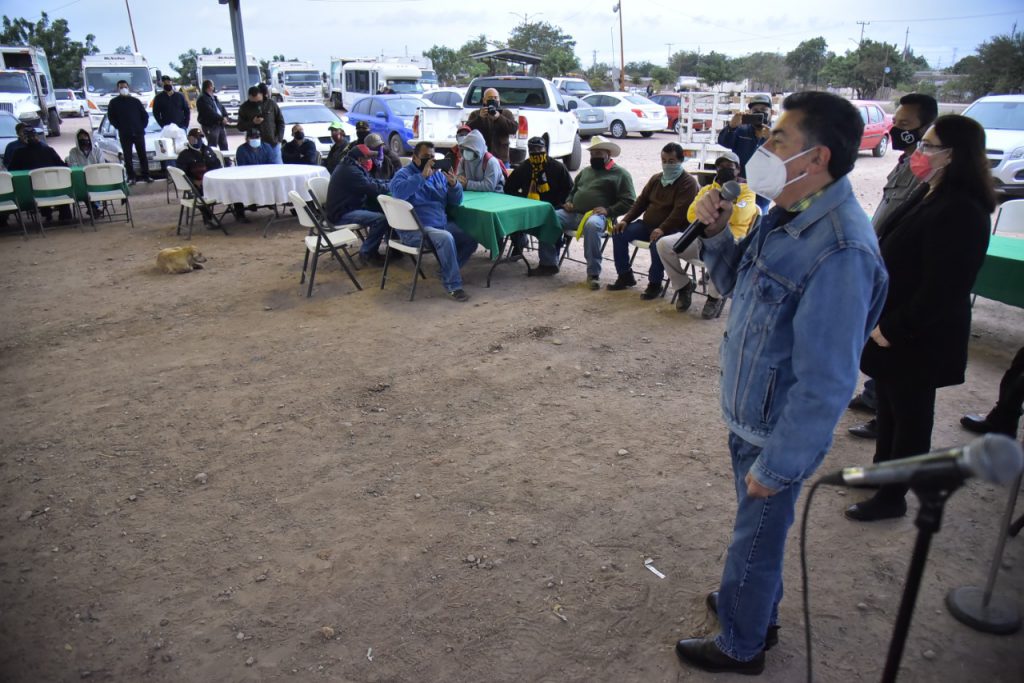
131	24
622	54
238	40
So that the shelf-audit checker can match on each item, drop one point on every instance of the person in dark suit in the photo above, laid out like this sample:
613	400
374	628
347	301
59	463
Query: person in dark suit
129	117
171	107
933	248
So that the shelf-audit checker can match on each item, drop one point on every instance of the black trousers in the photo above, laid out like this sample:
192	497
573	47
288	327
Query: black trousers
1005	417
138	141
906	414
216	135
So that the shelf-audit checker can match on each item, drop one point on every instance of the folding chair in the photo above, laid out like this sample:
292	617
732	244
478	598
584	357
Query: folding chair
51	187
190	200
637	246
402	218
220	156
9	201
104	185
320	241
567	238
1010	219
318	194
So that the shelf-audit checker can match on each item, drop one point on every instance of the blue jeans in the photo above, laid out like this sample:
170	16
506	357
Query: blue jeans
376	227
637	230
276	158
453	247
751	588
593	234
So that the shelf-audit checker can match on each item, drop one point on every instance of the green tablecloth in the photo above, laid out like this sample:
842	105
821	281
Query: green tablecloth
23	187
1002	274
490	216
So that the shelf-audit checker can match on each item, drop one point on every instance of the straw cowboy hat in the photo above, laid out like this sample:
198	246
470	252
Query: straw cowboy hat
601	142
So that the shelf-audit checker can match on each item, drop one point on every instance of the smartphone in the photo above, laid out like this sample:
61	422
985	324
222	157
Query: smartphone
754	119
443	165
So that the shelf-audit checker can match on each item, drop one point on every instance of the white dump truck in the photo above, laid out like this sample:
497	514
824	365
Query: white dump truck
26	88
295	82
100	74
221	70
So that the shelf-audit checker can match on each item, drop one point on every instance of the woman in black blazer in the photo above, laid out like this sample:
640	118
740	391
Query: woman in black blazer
933	247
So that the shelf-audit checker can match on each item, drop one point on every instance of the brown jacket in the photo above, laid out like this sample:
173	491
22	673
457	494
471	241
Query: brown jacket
664	207
495	131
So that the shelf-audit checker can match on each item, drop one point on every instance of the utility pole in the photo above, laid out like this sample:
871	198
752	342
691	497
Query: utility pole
862	25
906	42
622	49
131	25
595	58
669	53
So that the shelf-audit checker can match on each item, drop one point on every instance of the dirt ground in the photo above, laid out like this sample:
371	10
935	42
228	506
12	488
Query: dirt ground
424	491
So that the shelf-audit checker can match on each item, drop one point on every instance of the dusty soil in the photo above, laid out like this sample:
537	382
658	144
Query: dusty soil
423	491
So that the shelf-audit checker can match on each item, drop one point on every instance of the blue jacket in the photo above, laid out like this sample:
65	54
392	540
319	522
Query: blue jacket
743	141
429	197
806	295
349	189
250	156
127	115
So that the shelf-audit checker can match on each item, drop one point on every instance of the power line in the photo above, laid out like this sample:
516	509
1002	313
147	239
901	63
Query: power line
922	20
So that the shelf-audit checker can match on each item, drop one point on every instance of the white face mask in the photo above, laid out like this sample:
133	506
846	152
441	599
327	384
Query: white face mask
469	154
766	172
124	91
255	142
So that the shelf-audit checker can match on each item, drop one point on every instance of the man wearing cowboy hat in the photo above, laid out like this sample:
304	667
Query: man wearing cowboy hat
744	138
495	124
600	192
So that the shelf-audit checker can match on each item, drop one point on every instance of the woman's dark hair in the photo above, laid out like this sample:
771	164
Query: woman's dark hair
927	107
675	149
968	168
831	121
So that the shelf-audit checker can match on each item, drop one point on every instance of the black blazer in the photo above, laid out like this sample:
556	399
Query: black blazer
933	249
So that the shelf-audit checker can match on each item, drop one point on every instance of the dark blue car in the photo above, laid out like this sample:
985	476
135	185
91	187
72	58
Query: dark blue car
389	116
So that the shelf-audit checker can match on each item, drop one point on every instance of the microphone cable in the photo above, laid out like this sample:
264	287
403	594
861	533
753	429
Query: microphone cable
804	579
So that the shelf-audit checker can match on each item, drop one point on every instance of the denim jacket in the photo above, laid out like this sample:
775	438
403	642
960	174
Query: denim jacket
806	296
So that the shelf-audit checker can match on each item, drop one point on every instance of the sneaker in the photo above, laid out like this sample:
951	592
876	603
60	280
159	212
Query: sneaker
373	259
712	308
544	270
459	295
684	296
594	282
131	181
622	282
148	180
653	291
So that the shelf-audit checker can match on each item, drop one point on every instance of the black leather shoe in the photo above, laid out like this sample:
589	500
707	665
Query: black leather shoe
868	430
875	509
976	424
652	292
712	308
771	639
704	654
684	296
622	282
544	270
372	260
859	403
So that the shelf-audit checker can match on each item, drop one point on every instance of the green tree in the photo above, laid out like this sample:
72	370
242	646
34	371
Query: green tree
664	77
807	59
765	71
715	68
684	63
122	50
64	55
638	70
864	68
446	63
555	47
187	69
999	66
265	63
599	77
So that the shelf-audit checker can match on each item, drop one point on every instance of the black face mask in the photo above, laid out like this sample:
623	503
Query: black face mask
903	139
598	163
85	145
361	135
168	87
299	136
33	140
724	175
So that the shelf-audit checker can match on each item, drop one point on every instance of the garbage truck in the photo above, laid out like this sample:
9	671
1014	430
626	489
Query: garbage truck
26	88
100	74
295	82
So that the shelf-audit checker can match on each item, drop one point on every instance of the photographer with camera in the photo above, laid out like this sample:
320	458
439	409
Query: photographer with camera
495	124
746	132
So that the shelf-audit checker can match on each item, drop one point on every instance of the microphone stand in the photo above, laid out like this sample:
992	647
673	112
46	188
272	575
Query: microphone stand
933	496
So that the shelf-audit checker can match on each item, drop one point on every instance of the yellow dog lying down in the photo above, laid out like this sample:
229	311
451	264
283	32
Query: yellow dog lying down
180	259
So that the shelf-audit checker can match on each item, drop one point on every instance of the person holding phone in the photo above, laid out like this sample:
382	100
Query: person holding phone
431	192
746	132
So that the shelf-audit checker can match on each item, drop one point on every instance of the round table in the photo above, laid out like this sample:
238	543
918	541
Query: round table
261	184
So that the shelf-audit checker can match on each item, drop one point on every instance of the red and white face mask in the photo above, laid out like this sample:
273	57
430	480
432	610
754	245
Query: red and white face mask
367	164
925	165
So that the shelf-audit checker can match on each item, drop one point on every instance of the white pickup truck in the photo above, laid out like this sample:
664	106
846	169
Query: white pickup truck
534	102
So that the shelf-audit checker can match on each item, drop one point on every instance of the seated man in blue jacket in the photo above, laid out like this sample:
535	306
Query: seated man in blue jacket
300	149
254	151
430	192
351	185
744	138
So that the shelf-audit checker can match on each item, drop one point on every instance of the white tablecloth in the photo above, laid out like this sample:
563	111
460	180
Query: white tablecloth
262	184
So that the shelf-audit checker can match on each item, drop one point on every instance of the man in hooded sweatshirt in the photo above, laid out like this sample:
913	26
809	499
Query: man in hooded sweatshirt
479	170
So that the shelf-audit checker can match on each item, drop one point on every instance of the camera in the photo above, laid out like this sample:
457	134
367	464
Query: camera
492	108
757	119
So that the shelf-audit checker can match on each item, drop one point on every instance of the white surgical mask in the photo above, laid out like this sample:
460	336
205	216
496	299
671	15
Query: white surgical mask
766	172
469	154
124	91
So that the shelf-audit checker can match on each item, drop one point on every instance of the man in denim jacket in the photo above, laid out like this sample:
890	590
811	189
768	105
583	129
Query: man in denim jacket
808	286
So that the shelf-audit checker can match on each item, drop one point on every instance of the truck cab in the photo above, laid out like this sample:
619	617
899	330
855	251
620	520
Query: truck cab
294	82
100	74
221	69
26	88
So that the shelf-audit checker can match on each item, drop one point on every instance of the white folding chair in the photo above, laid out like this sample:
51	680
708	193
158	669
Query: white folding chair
51	187
104	185
220	156
190	200
402	218
320	241
9	201
1010	219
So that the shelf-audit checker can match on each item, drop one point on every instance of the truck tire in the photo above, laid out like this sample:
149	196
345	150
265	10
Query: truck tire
573	161
618	129
646	134
676	127
395	143
53	124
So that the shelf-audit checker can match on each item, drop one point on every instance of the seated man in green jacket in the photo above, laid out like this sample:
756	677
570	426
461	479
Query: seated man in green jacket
600	192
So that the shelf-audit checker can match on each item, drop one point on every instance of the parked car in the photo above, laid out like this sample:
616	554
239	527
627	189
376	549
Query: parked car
591	119
1002	117
390	116
71	103
110	146
7	132
876	127
315	119
627	113
446	97
576	87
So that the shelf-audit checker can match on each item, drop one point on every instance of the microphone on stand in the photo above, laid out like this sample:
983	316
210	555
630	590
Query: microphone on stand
729	192
995	458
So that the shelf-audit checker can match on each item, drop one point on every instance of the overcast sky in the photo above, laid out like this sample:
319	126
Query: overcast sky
317	29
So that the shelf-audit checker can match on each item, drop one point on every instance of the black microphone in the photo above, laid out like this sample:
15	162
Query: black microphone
730	191
995	458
